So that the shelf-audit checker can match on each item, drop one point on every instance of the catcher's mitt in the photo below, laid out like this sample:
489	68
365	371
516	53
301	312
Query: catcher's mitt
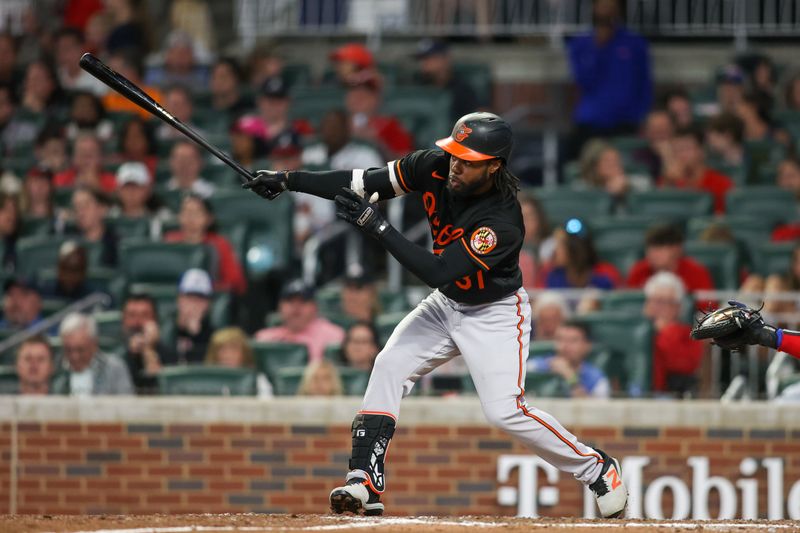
734	327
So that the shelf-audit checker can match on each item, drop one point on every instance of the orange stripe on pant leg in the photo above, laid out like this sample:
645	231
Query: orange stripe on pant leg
522	390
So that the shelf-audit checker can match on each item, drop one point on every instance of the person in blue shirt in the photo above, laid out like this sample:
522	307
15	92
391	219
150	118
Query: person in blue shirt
573	345
611	67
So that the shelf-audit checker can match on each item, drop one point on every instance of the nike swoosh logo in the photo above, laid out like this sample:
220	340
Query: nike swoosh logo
437	176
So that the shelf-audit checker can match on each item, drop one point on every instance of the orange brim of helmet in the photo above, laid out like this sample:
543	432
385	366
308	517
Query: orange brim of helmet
453	147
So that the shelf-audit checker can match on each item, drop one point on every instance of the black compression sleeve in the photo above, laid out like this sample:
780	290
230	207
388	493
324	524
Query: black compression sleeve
325	184
433	270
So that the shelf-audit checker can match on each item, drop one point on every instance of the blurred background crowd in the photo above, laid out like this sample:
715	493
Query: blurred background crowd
132	262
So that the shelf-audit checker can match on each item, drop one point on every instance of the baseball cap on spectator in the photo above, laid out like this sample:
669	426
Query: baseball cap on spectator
23	282
133	173
287	144
357	276
355	53
251	126
730	74
196	282
297	289
274	87
430	47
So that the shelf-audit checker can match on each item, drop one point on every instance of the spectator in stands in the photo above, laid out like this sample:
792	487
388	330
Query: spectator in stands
601	168
550	310
286	151
678	104
573	345
336	149
725	136
86	115
10	74
753	110
230	348
178	101
14	132
777	284
249	142
128	63
300	322
360	346
89	208
40	91
687	169
76	13
35	366
576	265
658	131
263	64
87	167
134	192
226	92
676	357
273	102
89	372
137	143
363	101
22	304
435	64
761	74
359	298
538	245
185	164
37	194
10	229
730	90
145	351
98	28
664	253
349	60
50	150
611	67
791	92
192	325
180	64
69	47
196	219
126	33
320	378
788	177
72	269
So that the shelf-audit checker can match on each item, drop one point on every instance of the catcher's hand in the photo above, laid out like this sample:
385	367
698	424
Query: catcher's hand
268	184
362	213
734	327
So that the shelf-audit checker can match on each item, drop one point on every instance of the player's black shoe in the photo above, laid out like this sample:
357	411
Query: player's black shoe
609	490
356	497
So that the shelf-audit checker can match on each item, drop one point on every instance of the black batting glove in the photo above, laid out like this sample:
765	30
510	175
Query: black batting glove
268	184
361	213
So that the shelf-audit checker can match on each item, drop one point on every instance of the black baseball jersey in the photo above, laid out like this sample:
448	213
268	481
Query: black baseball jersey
487	230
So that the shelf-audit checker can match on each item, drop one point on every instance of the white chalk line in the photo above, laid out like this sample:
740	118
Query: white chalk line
360	522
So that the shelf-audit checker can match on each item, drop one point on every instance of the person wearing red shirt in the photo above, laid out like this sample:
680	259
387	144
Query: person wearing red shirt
363	101
196	219
664	252
676	357
686	168
87	167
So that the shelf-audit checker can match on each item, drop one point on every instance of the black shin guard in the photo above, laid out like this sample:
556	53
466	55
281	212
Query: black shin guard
371	436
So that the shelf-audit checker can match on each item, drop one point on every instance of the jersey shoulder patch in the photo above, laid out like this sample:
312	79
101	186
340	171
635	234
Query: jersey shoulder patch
483	240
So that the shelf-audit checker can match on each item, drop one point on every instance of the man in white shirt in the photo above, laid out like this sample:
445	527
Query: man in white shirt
185	163
336	149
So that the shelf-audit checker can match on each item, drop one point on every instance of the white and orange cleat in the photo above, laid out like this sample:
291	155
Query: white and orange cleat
609	490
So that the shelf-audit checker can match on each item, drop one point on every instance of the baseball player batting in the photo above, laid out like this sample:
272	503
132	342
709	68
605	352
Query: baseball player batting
478	309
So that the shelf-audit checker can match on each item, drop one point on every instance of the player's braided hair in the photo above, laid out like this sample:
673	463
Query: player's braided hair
506	182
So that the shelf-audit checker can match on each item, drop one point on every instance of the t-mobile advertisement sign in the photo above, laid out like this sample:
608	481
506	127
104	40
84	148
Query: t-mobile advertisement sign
738	498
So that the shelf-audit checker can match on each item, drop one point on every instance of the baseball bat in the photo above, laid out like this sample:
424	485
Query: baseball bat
129	90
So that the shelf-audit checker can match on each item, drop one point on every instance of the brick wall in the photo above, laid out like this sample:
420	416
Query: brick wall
137	467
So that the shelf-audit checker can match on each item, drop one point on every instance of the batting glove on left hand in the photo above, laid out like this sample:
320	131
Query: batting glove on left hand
268	184
360	212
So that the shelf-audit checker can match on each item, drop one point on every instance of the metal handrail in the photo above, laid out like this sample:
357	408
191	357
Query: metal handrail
313	245
94	299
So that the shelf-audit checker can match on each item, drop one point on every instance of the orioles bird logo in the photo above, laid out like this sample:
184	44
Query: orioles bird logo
462	133
483	240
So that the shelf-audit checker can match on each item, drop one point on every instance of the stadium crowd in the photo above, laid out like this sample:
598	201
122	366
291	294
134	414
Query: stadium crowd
97	196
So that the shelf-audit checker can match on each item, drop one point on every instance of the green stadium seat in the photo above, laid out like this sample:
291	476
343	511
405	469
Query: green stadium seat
622	255
130	228
620	230
788	381
386	323
35	226
748	229
333	353
420	111
207	381
541	348
160	262
479	77
623	301
296	74
109	323
287	380
62	197
760	153
629	338
9	381
737	173
773	257
561	204
721	260
354	381
768	203
170	198
312	104
272	356
546	385
671	204
37	253
19	165
236	233
628	145
339	318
